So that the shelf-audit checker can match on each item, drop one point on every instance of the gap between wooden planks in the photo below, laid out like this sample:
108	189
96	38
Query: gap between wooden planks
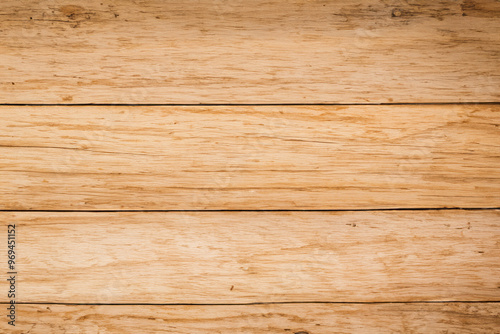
249	158
244	257
276	319
249	51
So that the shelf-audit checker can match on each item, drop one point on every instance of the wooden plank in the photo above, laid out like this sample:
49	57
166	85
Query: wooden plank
283	319
266	157
256	51
241	257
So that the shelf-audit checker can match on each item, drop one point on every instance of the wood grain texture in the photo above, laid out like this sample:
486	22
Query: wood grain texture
274	157
277	319
120	51
240	257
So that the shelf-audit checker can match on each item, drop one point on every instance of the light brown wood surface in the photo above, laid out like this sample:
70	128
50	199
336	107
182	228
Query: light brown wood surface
265	157
249	51
277	319
218	166
242	257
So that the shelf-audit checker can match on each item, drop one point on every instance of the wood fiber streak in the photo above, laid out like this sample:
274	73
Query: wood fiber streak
241	257
274	319
249	51
274	157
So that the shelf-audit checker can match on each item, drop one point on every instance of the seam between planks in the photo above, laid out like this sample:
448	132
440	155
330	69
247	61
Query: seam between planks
271	210
264	303
239	104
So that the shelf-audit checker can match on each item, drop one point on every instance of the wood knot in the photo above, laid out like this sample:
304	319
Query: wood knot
71	11
76	14
396	12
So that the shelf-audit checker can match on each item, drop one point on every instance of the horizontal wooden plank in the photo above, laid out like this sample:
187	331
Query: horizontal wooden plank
266	157
240	257
283	319
256	51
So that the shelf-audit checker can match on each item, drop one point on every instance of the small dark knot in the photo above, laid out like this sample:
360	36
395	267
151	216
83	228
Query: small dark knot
396	12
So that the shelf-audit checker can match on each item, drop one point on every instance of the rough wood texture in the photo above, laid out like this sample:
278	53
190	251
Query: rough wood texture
276	157
239	257
275	319
255	51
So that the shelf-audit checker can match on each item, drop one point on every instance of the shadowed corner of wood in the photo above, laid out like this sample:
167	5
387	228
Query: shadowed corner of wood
481	8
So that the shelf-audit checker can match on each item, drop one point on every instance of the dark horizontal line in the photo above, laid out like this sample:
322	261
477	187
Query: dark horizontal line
245	104
257	303
265	210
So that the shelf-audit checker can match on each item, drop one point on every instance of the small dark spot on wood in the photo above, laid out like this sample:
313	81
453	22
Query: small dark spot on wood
301	332
151	318
463	14
157	17
13	83
116	15
480	252
31	18
232	287
396	12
